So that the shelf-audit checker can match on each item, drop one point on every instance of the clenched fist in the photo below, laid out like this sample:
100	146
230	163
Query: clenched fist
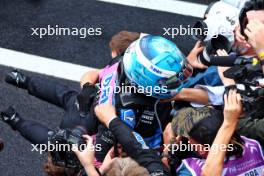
105	113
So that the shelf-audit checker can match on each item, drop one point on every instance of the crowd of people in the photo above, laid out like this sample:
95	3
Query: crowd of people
194	123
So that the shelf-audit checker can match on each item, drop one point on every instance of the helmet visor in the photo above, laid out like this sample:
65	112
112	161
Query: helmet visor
178	79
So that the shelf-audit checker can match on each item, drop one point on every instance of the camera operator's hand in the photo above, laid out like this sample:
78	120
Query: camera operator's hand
215	160
192	57
221	52
239	37
255	33
233	107
105	113
108	160
86	156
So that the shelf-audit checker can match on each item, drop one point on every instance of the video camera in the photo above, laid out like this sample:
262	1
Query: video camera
65	139
246	72
216	31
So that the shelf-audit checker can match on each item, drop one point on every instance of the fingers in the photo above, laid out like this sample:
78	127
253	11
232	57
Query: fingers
225	99
76	150
199	46
221	52
233	98
252	27
239	99
247	32
89	142
89	139
239	36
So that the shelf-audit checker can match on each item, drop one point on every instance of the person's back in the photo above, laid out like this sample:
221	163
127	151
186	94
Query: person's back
250	163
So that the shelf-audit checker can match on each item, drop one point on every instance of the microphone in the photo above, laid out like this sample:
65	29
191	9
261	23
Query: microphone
228	61
224	61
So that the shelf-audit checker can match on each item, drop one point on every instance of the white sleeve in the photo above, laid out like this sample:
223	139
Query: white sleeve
215	95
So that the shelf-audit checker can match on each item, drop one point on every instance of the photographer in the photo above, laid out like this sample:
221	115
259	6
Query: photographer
255	34
232	111
35	133
129	140
201	126
75	104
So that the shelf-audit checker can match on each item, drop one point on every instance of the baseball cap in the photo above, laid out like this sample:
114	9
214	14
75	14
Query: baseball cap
186	118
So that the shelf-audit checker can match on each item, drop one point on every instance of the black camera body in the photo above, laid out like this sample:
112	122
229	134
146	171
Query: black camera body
248	75
211	46
64	139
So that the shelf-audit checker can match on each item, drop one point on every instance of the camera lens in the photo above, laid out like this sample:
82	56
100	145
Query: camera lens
200	30
220	42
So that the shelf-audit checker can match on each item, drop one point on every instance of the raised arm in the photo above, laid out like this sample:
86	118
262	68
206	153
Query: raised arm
232	111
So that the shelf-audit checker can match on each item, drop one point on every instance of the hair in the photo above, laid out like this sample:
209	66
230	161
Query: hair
249	5
53	170
126	167
120	42
206	130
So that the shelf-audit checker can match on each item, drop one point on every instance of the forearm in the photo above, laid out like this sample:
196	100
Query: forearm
145	157
90	76
215	159
193	95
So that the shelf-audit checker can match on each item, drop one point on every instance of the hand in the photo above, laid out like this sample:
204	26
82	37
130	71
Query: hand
240	39
86	157
221	52
233	107
255	33
105	113
192	57
108	160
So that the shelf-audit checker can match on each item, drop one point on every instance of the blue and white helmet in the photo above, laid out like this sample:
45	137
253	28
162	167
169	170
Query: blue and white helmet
157	65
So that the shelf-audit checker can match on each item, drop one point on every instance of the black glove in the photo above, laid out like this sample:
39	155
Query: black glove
10	116
86	97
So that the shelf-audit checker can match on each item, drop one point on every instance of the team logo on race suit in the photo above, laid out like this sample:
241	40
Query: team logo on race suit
106	88
108	78
128	116
140	140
